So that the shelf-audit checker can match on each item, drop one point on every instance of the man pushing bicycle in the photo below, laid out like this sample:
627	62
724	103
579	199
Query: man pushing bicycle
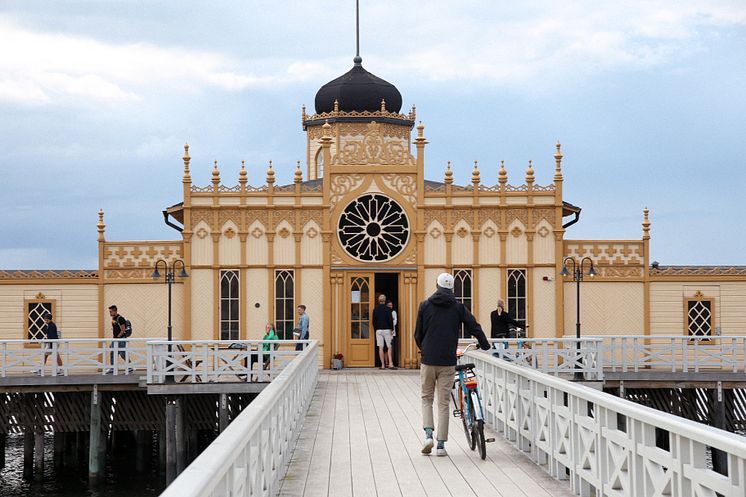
439	321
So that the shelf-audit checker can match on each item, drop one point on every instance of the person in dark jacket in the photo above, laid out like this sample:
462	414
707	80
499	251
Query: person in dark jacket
439	321
50	333
501	321
383	323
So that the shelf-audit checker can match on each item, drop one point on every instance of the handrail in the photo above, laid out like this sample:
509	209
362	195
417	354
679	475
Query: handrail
602	442
249	457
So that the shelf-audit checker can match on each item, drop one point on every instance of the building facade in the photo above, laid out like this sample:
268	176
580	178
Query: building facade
363	220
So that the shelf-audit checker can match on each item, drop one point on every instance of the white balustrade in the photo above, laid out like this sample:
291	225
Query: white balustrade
250	456
604	445
79	356
676	354
219	360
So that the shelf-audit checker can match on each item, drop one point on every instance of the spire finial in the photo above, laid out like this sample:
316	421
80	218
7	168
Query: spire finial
270	174
449	174
186	158
475	177
298	173
503	175
558	163
215	174
101	226
242	173
645	224
530	173
357	60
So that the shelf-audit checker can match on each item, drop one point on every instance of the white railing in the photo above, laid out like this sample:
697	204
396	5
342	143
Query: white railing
604	445
78	355
219	360
249	457
678	353
552	355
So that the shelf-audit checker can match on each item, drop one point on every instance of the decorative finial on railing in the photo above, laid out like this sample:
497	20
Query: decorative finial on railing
475	178
101	226
326	129
242	174
303	114
336	105
503	174
449	174
383	105
298	173
558	163
413	113
215	175
645	224
530	174
186	159
420	130
270	174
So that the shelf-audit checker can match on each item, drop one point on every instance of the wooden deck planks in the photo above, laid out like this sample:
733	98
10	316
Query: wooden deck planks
362	438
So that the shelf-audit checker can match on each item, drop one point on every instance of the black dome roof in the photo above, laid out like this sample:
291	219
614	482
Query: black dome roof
358	90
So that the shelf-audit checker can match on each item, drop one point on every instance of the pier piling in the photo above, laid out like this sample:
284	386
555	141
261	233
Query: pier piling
94	460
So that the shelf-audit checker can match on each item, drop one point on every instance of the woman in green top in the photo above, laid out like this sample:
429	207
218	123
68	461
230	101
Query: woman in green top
269	334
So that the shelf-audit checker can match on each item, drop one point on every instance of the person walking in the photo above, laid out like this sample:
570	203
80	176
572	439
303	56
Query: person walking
501	321
383	323
439	321
303	326
119	329
50	333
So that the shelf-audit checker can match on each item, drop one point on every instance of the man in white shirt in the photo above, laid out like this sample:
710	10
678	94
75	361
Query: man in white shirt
390	305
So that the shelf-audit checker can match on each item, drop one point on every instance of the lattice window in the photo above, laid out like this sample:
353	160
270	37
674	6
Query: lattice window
360	308
373	228
462	288
517	295
284	303
229	304
699	316
35	309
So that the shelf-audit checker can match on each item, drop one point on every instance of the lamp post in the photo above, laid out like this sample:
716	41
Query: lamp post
577	277
170	278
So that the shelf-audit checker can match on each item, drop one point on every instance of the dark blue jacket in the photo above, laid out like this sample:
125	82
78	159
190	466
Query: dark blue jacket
439	325
383	319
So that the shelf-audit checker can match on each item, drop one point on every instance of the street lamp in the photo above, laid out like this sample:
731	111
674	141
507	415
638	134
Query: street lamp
169	279
577	277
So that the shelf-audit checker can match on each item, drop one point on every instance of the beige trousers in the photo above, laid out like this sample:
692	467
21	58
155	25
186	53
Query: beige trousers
440	379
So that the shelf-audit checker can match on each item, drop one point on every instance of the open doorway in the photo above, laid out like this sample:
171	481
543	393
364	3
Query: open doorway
388	285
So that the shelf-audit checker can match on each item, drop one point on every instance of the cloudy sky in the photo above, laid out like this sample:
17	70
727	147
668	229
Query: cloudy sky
98	98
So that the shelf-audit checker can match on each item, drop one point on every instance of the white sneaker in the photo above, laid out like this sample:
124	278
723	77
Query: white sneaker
441	451
427	445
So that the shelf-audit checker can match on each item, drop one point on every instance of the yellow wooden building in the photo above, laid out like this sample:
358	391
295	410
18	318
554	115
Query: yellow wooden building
361	219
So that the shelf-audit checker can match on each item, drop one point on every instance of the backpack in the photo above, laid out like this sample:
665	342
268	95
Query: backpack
127	328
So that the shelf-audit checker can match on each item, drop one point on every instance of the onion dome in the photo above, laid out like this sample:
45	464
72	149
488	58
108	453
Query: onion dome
358	90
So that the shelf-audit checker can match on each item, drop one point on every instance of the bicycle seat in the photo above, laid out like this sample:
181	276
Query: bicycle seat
464	367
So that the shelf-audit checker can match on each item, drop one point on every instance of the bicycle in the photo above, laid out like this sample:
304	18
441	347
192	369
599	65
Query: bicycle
469	405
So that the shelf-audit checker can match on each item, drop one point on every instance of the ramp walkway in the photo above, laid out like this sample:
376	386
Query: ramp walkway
362	437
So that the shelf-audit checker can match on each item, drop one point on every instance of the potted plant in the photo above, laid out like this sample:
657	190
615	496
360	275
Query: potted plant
337	361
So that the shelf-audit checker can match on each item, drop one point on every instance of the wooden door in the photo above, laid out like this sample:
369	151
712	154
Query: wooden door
359	334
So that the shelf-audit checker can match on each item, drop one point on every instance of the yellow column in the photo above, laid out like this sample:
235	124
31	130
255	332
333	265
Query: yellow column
646	269
559	249
101	273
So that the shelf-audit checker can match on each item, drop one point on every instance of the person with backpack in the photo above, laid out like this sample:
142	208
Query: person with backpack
439	321
121	329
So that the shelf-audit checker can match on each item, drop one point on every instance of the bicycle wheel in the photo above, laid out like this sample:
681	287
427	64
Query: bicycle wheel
465	421
478	436
470	423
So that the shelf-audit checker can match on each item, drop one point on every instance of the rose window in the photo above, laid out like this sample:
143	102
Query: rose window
373	228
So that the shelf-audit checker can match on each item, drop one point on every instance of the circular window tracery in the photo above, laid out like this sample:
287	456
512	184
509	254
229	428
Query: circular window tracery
373	228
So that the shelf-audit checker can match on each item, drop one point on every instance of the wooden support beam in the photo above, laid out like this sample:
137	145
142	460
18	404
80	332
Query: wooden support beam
180	436
94	447
59	448
223	412
717	401
162	448
3	438
39	453
170	442
28	453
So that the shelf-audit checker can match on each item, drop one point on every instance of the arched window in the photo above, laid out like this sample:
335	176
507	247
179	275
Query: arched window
284	303
229	299
517	295
462	289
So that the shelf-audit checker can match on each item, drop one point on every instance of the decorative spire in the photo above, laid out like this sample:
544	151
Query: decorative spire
357	60
326	129
101	226
645	224
558	163
475	174
449	174
383	105
242	174
503	175
303	114
530	174
187	159
270	174
298	173
336	105
215	175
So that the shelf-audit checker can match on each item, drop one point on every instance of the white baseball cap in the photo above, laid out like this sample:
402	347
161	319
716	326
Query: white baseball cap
445	280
